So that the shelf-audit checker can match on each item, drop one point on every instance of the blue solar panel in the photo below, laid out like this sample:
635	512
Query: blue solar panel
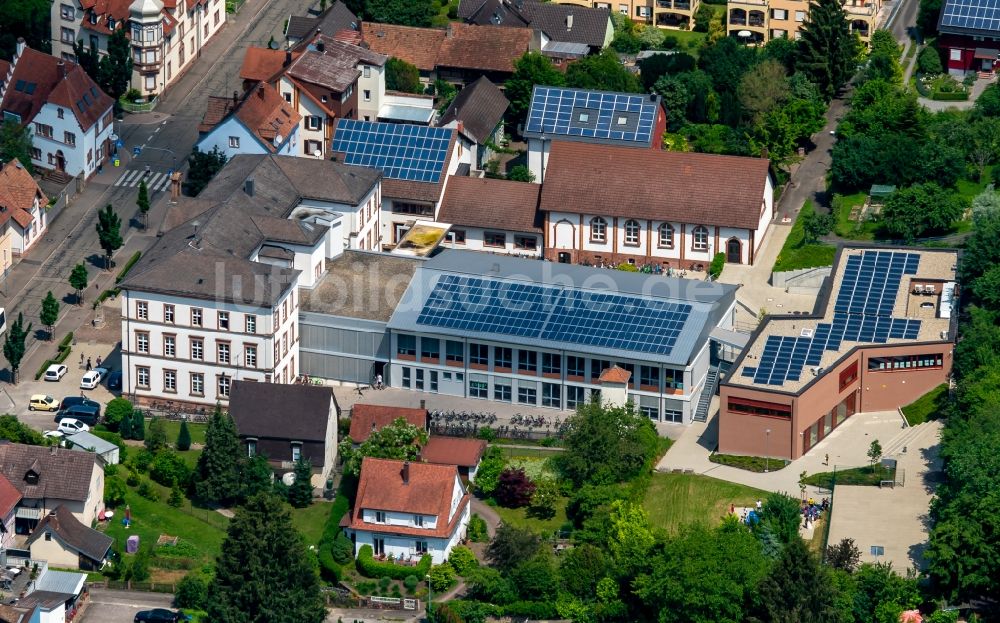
862	313
402	151
622	117
983	15
602	320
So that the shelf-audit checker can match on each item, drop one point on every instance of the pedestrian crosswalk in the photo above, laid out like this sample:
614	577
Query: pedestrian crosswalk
155	181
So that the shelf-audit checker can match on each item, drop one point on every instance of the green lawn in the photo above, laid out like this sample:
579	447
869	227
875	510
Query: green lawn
843	225
174	428
750	463
673	500
544	453
309	521
865	476
519	517
203	528
688	39
970	188
927	407
795	254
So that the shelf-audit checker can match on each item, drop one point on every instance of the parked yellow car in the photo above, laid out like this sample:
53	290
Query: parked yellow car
41	402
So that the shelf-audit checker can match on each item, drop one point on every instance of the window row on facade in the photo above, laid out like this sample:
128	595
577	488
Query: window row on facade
224	351
533	362
168	382
224	320
633	231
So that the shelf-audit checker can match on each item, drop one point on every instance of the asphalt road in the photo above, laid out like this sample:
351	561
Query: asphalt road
121	606
905	19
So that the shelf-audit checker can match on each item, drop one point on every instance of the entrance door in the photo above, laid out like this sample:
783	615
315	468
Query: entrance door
379	546
564	257
60	161
987	64
734	251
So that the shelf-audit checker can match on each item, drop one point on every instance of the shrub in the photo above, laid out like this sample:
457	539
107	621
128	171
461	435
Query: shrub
487	434
929	61
141	460
442	577
148	491
462	560
184	437
132	479
342	549
114	491
176	498
410	582
488	474
138	571
371	568
538	610
156	436
477	531
115	412
169	469
192	592
515	488
128	266
384	583
718	262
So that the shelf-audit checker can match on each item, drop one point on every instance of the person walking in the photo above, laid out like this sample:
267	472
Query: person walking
378	382
759	505
81	360
89	366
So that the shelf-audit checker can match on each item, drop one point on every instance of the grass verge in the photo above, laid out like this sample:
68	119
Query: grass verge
520	518
860	476
927	407
174	428
674	500
750	463
796	254
309	521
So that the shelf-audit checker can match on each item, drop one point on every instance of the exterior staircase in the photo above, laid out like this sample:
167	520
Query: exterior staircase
707	392
58	177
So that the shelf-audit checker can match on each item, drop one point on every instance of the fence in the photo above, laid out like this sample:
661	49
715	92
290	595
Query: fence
134	107
392	603
146	587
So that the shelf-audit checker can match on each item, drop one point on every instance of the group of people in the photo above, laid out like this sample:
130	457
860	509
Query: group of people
811	510
90	364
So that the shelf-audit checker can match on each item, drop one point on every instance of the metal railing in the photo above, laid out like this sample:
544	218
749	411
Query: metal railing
134	107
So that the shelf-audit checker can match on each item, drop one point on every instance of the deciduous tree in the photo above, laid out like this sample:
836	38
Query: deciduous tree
202	167
402	12
14	345
844	555
78	281
606	444
515	488
142	202
399	440
264	574
919	210
530	70
402	76
603	72
15	142
511	546
109	233
49	313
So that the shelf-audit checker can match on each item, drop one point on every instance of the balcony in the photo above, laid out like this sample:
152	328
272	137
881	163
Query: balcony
863	10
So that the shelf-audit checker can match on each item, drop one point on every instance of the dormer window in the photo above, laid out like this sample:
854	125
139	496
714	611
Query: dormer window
93	17
418	521
111	23
379	516
31	477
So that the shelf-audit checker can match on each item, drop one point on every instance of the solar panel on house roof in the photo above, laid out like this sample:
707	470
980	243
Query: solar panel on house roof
402	152
611	321
598	115
972	14
862	313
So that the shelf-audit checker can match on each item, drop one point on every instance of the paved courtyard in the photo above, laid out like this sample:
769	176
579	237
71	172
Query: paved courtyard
896	519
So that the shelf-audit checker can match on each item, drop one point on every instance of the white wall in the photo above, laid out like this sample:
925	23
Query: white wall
375	85
474	237
538	157
232	127
76	156
56	615
351	226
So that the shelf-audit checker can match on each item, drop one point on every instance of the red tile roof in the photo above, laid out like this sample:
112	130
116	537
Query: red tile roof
706	189
40	73
427	492
263	64
218	108
453	451
416	46
18	191
115	9
265	113
491	204
9	496
614	374
487	48
366	418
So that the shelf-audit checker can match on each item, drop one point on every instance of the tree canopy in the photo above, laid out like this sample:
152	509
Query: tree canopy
828	51
15	142
399	440
217	475
603	72
530	70
402	76
920	210
606	444
402	12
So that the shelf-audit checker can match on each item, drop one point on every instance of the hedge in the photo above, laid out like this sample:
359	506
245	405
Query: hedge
106	294
718	262
329	568
65	348
949	97
371	568
128	266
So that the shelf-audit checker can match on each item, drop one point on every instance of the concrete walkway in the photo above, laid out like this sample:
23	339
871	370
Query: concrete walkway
898	518
847	446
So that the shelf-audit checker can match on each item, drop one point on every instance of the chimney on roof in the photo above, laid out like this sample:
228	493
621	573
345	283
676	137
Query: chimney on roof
569	22
260	91
62	70
288	57
406	472
236	99
450	32
248	186
460	126
20	46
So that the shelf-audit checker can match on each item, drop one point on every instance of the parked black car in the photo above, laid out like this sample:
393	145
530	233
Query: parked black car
71	401
89	414
159	615
115	380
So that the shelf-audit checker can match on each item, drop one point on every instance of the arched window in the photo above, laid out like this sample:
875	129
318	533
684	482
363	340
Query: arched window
666	232
699	238
632	232
598	229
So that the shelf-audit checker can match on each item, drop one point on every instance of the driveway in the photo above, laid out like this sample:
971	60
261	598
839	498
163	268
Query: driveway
121	606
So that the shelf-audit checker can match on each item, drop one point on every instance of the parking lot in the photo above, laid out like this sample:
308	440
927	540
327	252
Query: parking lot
121	606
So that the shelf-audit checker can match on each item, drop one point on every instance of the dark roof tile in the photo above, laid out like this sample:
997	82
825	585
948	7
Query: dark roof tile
70	531
491	203
480	107
259	410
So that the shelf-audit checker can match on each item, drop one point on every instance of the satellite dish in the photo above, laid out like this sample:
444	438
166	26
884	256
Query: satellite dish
277	140
744	33
273	45
288	479
317	153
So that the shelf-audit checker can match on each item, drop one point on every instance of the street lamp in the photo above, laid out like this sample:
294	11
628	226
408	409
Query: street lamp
767	445
430	597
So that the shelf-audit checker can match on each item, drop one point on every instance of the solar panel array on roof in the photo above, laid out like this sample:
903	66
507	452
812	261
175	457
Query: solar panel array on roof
548	313
862	313
592	114
401	151
972	14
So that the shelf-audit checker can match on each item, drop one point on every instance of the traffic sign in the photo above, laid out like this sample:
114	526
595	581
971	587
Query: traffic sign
136	150
118	162
119	143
